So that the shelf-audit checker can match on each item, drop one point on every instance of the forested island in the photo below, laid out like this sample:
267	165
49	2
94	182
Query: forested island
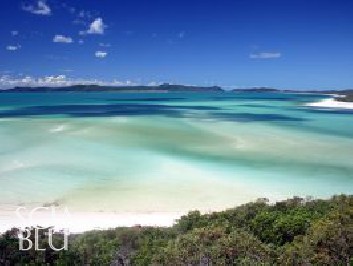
124	89
345	95
292	232
348	97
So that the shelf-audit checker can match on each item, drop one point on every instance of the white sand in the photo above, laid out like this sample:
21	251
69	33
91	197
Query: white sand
86	221
331	103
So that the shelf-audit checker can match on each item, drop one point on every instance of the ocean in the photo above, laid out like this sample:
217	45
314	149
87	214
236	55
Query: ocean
144	154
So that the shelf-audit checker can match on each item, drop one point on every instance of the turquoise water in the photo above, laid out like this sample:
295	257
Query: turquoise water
170	152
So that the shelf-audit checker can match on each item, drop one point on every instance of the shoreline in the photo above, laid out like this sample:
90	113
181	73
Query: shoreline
332	103
80	222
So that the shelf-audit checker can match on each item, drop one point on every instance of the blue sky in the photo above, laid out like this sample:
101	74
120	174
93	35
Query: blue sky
302	44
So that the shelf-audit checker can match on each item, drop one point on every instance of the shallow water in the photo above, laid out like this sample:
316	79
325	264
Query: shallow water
141	153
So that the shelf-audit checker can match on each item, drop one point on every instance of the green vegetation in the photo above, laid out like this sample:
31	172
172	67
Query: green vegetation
348	98
293	232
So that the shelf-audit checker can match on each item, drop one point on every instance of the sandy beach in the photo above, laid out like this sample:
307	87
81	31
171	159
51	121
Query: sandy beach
85	221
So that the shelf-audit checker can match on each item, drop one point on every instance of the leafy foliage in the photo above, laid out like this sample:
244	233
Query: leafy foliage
292	232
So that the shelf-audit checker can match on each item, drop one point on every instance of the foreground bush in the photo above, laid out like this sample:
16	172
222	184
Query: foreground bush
292	232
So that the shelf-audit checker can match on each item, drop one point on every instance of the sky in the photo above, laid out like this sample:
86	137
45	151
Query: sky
291	44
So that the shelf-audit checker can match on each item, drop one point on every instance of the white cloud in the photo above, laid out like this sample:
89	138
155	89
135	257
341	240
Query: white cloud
265	55
58	80
14	32
8	81
62	39
42	8
104	44
27	79
13	47
96	27
101	54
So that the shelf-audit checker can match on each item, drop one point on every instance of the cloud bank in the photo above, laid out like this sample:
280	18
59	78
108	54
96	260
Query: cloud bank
7	81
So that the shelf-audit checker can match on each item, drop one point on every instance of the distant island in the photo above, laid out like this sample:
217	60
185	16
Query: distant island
340	95
348	97
257	89
123	89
